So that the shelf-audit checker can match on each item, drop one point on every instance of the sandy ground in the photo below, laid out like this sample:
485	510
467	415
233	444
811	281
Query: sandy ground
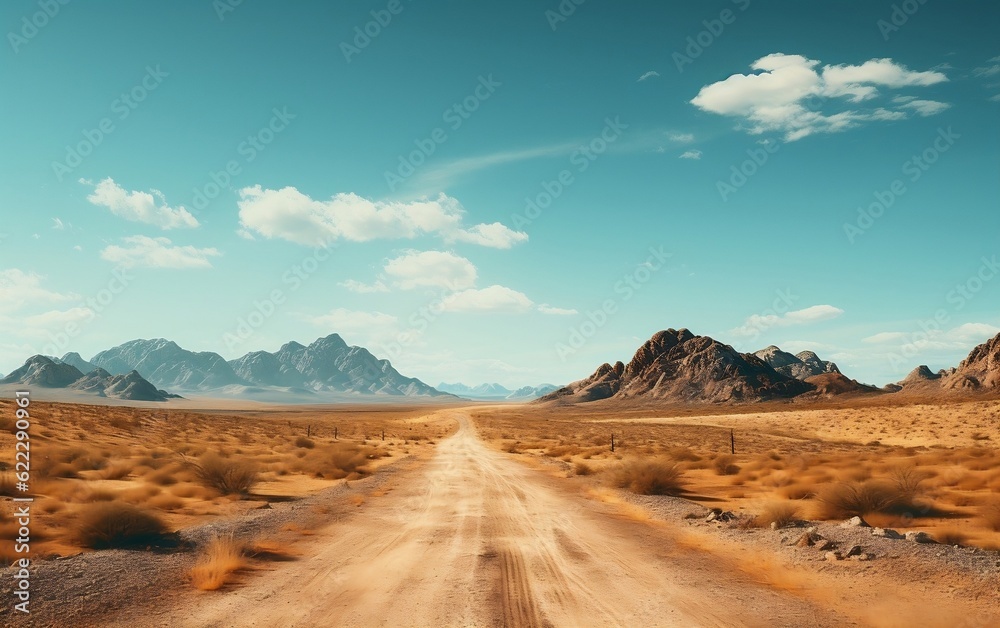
476	539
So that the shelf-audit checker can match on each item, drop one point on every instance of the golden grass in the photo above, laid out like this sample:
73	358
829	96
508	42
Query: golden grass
117	525
783	514
222	557
650	477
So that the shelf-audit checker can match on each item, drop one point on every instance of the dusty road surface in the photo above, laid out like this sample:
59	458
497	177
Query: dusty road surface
474	538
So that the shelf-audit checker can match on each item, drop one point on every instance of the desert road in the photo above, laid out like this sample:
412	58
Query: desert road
474	538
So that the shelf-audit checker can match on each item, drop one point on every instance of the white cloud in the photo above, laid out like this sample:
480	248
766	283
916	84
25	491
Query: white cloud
19	289
142	251
648	75
440	176
146	207
494	235
973	333
990	70
59	225
776	98
363	288
758	323
926	107
40	324
290	215
352	320
692	154
492	299
556	311
682	138
431	269
884	337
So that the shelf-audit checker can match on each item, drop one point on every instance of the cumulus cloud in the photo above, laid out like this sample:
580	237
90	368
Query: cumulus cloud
556	311
492	299
146	252
364	288
291	215
786	92
19	289
147	207
757	323
431	269
692	154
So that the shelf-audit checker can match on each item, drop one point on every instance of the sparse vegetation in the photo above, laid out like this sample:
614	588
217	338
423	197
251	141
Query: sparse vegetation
650	477
221	558
229	477
118	525
783	514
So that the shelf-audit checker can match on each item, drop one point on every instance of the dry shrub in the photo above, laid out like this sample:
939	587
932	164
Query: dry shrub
842	501
117	471
582	468
229	477
725	465
650	477
990	512
783	514
342	460
305	442
116	524
222	557
683	454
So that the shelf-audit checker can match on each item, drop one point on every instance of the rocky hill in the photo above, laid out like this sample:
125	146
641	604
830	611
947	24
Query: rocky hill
73	359
678	366
979	371
45	372
803	365
163	363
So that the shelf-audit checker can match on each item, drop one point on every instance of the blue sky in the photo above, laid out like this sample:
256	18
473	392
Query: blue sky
513	192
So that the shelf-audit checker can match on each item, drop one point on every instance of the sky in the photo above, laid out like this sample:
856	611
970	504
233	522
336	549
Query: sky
502	192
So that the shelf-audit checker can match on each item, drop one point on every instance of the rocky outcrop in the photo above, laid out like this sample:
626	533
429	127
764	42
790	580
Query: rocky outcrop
800	366
678	366
39	370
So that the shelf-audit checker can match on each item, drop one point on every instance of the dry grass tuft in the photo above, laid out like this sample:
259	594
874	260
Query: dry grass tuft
118	525
783	514
582	468
305	442
229	477
990	512
725	465
842	501
222	557
650	477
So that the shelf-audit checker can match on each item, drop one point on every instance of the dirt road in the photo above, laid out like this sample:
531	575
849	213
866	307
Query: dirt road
473	538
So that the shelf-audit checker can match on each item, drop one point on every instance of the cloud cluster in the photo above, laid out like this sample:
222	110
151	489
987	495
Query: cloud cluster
146	207
752	327
788	95
288	214
146	252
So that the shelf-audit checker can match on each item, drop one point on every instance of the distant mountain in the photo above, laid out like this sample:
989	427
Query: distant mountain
677	366
497	391
526	393
328	364
165	364
74	359
836	384
48	373
800	366
482	391
39	370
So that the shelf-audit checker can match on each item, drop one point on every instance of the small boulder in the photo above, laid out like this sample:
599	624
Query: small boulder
855	522
825	545
919	537
832	556
806	540
886	533
854	551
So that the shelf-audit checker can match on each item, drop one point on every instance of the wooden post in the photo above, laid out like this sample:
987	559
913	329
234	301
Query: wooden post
732	442
334	432
383	434
309	429
612	442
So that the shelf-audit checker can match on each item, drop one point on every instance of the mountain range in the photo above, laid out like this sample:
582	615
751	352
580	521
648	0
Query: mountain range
46	372
677	366
496	391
